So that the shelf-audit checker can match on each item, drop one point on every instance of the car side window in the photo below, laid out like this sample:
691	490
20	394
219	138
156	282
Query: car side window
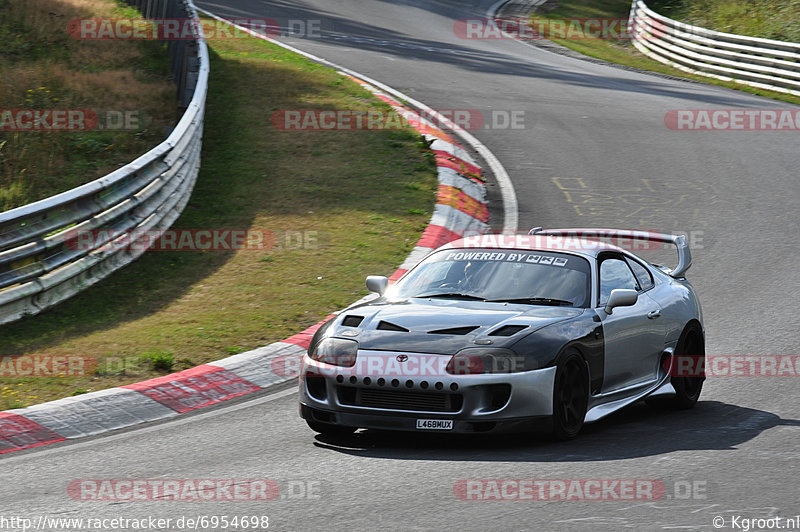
614	274
642	275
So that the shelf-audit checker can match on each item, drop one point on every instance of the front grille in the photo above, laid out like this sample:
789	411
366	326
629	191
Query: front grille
399	400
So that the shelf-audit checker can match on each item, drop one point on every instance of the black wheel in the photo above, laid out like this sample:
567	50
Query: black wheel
326	429
570	396
688	388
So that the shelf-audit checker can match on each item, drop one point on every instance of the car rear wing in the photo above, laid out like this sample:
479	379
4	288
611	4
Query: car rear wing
679	241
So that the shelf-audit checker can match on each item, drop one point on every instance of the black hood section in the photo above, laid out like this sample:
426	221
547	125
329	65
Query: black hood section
444	326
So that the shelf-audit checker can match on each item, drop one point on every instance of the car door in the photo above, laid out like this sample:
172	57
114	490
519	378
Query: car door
634	336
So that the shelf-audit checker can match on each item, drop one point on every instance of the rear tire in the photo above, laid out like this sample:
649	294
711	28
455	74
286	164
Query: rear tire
687	389
570	396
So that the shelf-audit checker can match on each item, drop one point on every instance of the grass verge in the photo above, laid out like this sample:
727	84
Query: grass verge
767	19
342	205
621	51
45	68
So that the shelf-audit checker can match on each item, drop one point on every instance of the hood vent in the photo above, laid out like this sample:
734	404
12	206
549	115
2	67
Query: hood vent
456	330
386	326
508	330
352	321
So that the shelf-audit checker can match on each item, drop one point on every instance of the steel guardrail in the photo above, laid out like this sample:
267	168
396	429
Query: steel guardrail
39	264
762	63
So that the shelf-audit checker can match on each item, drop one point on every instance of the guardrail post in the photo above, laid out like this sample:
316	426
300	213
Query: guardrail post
190	73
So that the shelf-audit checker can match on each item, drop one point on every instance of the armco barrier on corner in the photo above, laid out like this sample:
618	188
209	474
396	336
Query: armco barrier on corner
762	63
38	268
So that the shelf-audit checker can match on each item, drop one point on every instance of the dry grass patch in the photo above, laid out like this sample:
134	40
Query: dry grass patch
45	68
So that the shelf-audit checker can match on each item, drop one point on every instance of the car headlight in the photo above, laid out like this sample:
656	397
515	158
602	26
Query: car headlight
480	360
335	351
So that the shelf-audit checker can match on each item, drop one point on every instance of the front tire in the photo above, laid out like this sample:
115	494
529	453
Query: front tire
570	396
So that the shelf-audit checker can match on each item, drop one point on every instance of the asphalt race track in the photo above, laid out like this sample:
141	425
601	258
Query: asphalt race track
594	151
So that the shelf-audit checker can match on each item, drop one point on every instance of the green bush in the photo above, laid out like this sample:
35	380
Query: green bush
160	360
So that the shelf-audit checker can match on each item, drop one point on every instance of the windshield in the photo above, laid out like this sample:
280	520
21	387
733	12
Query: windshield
533	277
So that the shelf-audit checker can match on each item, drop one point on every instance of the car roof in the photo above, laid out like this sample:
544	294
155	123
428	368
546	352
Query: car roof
583	246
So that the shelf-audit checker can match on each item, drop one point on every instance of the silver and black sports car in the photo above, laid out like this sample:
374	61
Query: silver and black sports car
544	331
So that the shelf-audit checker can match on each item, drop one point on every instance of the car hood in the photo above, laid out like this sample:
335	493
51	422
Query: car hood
443	326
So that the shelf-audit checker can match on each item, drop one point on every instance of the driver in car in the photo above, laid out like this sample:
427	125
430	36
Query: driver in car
468	282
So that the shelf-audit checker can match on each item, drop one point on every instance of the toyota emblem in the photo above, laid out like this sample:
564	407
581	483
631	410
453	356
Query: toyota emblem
402	358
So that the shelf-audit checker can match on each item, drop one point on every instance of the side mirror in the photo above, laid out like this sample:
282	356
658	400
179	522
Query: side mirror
377	283
621	297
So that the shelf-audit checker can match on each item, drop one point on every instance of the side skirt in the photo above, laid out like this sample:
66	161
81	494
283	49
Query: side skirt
601	405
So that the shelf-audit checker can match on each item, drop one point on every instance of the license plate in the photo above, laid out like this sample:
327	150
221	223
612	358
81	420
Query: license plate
434	424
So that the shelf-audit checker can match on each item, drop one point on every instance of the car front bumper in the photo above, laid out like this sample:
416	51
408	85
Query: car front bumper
475	403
